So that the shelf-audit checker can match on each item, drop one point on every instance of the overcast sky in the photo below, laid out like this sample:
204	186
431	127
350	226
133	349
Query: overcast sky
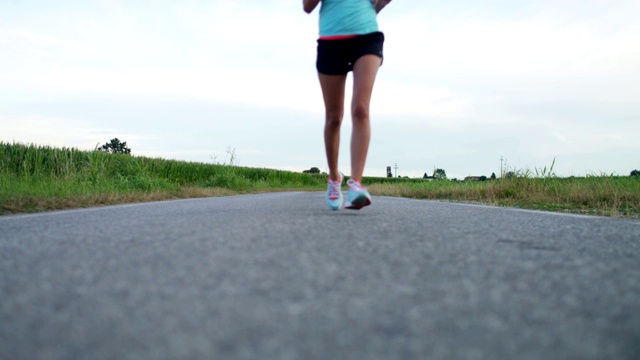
463	84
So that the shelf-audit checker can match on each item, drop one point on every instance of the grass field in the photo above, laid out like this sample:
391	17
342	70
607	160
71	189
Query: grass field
38	178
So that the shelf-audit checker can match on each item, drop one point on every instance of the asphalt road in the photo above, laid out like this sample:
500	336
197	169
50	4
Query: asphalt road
280	276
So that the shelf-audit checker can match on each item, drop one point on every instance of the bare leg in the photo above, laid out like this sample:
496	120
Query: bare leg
333	94
364	76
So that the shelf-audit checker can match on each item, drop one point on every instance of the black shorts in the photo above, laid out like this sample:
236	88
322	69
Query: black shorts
336	57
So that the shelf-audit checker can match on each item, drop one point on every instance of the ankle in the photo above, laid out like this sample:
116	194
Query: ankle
335	176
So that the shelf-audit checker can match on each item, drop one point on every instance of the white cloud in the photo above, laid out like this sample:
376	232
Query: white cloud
417	102
546	40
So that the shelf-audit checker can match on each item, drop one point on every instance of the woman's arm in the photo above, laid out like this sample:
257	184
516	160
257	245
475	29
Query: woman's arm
309	5
380	4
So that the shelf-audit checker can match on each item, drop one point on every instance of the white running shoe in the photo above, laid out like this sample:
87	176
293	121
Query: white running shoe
357	197
334	193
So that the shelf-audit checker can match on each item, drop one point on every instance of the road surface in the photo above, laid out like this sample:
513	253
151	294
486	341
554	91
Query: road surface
280	276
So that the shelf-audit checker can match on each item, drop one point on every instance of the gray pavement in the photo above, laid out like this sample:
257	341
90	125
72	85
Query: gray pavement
279	276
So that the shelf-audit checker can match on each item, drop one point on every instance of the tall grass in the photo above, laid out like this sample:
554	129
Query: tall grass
40	177
596	195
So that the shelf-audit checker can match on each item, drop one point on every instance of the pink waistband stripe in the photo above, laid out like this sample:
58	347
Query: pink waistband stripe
337	37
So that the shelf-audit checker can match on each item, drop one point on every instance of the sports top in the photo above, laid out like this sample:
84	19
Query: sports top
347	17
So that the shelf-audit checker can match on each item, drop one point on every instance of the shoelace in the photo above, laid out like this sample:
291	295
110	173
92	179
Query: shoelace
354	185
334	189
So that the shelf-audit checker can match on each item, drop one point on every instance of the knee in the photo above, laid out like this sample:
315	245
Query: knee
334	119
360	112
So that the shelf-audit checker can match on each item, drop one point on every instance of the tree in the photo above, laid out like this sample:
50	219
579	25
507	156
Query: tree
313	170
439	174
116	147
635	173
493	176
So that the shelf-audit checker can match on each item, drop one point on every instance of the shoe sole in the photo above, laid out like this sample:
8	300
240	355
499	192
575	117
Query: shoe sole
358	203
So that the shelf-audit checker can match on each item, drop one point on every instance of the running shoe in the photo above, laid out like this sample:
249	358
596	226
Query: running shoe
357	197
334	193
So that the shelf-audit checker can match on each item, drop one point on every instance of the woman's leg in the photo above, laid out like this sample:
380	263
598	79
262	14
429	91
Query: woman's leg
333	94
364	75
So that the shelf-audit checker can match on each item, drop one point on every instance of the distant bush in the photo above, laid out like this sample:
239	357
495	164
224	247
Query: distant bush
635	173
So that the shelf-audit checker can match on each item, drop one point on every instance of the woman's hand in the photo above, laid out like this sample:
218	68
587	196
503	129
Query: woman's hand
309	5
380	4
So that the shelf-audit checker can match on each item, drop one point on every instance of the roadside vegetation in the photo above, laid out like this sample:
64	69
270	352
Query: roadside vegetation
38	178
617	196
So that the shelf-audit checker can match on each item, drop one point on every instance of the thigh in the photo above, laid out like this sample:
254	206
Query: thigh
364	76
333	88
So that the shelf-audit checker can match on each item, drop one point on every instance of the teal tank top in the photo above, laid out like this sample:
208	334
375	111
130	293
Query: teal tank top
347	17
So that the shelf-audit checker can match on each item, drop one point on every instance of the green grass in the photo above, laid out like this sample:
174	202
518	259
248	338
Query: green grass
39	178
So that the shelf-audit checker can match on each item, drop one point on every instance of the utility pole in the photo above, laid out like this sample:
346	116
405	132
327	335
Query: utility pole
396	167
501	173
